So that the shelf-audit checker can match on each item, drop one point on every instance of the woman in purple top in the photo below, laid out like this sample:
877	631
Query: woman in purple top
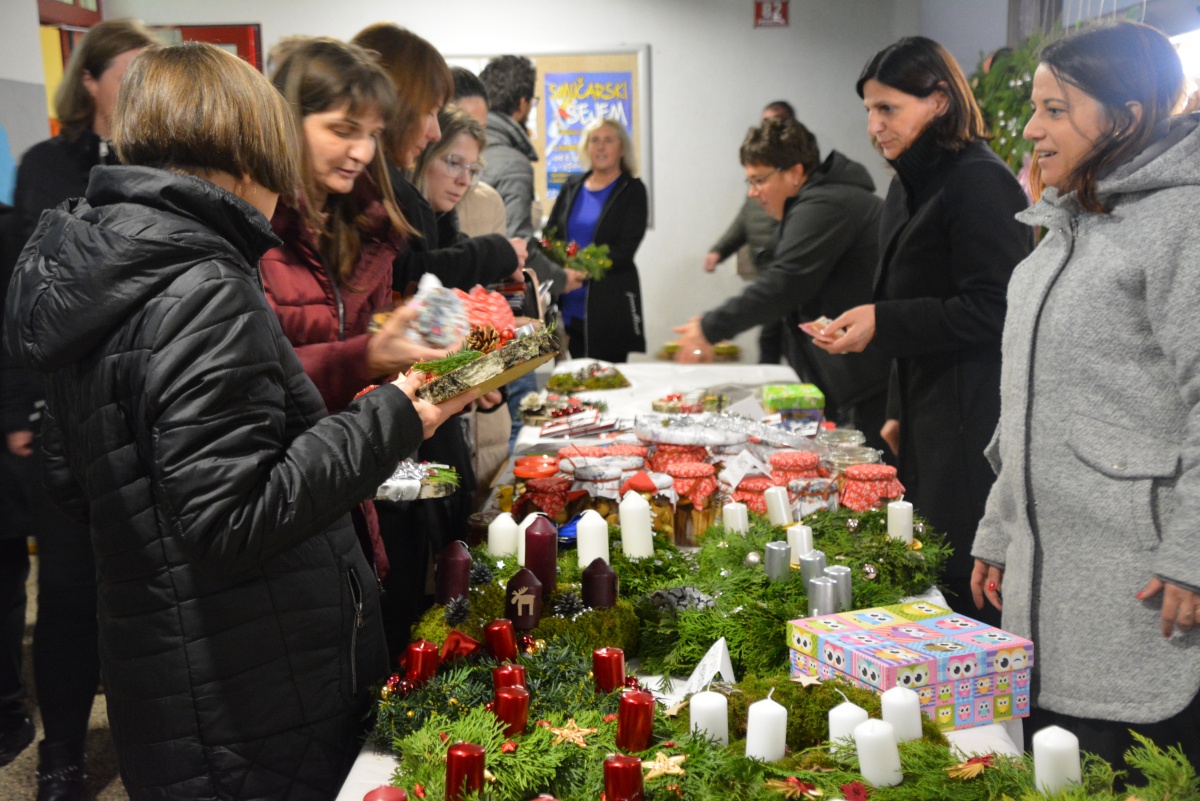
607	206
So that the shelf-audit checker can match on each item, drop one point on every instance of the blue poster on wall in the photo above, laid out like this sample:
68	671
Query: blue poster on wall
574	99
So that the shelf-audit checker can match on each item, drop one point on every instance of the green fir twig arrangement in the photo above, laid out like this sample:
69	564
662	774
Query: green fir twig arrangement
593	259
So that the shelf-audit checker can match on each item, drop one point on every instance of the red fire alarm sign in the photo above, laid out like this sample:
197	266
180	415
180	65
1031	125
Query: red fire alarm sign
771	14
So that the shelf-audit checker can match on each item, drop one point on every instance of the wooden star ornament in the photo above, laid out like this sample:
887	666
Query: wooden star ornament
663	765
571	733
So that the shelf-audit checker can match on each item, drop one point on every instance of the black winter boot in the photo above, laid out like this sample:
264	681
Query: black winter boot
61	775
16	732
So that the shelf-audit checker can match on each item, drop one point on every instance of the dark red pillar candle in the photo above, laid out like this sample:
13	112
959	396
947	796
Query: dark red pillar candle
464	770
501	640
635	720
599	585
386	793
453	573
623	778
608	668
511	705
508	676
421	661
523	600
541	553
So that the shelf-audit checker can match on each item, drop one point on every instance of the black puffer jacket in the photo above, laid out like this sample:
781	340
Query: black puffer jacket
239	629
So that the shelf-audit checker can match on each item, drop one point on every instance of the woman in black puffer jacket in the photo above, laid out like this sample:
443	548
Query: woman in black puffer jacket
239	629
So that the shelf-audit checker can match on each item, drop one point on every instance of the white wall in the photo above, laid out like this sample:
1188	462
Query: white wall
22	89
711	73
967	28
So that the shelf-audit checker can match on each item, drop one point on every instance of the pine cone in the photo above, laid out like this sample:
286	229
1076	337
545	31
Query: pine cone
480	573
457	610
483	338
569	604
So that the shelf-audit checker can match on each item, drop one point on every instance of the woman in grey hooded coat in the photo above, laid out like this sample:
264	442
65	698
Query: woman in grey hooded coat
1091	534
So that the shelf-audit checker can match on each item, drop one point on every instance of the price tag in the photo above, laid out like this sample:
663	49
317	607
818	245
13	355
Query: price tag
716	661
741	466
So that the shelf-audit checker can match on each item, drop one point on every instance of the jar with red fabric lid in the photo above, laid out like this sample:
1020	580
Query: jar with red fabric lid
750	492
789	466
625	449
696	485
666	454
870	486
547	495
838	459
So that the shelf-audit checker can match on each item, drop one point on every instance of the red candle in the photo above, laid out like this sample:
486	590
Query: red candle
453	573
541	553
501	640
635	721
386	793
608	668
523	600
599	585
511	705
623	778
464	770
508	676
421	661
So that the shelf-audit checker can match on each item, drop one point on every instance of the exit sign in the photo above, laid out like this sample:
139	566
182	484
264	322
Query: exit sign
771	14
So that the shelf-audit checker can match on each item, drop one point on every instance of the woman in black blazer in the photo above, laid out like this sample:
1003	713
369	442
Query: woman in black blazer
606	206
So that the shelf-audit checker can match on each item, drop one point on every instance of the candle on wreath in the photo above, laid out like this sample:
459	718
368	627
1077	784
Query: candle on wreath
511	706
464	770
778	560
635	720
521	529
541	553
508	675
766	730
709	715
900	521
779	506
902	709
599	585
1055	759
501	640
386	792
502	536
420	661
608	668
523	600
843	718
623	778
736	517
591	537
878	755
800	539
822	596
812	564
844	592
453	573
637	537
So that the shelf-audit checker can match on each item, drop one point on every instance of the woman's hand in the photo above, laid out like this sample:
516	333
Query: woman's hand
522	250
432	416
890	433
490	400
390	352
1180	607
711	260
857	328
575	279
986	581
693	347
20	443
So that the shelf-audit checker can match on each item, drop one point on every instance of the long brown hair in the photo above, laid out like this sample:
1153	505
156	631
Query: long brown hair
319	74
72	101
422	78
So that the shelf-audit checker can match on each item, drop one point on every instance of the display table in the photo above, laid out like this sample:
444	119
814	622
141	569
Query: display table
649	381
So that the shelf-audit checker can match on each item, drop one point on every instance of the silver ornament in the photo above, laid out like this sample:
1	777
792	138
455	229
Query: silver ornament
870	571
753	559
919	528
852	525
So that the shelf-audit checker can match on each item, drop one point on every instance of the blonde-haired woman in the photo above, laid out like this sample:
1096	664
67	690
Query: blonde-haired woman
239	624
606	205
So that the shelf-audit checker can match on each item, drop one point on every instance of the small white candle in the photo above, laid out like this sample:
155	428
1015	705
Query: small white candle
1055	759
529	518
637	538
878	754
736	517
900	521
766	730
591	535
842	720
902	709
502	535
710	716
800	538
779	508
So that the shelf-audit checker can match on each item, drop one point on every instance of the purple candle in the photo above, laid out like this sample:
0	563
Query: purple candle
453	573
523	600
599	585
541	553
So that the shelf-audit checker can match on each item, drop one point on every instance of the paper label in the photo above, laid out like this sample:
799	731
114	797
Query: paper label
748	407
716	661
742	465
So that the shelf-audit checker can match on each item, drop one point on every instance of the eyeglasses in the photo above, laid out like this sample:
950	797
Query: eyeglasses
457	168
758	181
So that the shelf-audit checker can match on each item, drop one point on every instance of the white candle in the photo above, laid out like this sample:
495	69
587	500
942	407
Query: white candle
878	755
1055	759
842	720
710	716
766	730
902	709
591	534
779	508
502	535
800	538
529	518
736	517
637	538
900	521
